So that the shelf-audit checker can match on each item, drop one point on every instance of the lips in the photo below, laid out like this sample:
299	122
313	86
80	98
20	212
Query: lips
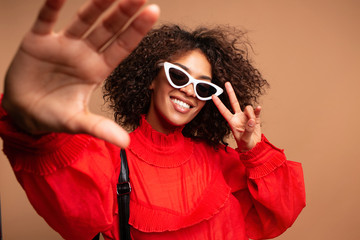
180	103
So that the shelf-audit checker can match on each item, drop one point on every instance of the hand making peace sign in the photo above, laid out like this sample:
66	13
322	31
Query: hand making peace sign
245	125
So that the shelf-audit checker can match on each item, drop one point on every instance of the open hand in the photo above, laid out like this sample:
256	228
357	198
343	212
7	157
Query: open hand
52	76
245	125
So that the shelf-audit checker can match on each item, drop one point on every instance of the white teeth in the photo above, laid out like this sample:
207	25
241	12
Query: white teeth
180	103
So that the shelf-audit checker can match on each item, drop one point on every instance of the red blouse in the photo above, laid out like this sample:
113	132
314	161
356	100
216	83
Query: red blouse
182	189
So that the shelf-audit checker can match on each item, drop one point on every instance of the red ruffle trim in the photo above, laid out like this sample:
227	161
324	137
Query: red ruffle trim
167	159
171	150
212	201
68	150
263	159
40	154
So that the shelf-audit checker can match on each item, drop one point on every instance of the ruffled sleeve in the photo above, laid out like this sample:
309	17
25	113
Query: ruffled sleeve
69	179
263	159
273	193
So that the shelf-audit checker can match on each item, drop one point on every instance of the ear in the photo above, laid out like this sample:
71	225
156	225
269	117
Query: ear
152	85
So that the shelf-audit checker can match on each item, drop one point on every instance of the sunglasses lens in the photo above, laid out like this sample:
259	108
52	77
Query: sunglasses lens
205	90
178	77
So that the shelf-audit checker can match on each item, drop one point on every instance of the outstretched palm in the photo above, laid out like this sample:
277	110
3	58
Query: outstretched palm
50	80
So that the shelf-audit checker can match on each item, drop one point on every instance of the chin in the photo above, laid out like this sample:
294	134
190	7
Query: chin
179	121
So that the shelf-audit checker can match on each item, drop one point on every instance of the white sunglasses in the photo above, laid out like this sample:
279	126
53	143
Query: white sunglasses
179	78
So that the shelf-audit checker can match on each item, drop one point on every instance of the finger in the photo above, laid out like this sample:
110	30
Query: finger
102	128
250	125
131	36
114	22
250	114
224	111
47	16
86	17
232	97
257	112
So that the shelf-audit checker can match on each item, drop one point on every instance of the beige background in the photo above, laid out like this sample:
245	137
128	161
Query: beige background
309	50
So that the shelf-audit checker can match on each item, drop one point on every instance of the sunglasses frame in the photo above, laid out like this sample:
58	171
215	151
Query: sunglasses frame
192	80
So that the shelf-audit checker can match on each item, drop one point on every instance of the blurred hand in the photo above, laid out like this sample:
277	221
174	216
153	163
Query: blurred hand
52	76
245	125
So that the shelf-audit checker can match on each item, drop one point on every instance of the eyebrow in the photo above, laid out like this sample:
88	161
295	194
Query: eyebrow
187	69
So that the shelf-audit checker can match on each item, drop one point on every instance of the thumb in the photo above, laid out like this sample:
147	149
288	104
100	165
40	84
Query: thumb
245	143
101	127
249	129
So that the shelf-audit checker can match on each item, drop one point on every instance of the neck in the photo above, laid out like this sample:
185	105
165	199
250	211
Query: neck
159	123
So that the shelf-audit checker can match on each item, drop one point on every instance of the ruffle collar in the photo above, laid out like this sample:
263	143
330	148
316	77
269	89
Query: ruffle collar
158	149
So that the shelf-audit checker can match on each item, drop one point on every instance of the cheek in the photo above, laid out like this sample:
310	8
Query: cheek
201	105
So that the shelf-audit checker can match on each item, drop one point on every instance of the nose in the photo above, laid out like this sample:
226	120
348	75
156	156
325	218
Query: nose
189	90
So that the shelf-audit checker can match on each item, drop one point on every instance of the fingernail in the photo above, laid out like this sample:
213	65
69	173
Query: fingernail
251	123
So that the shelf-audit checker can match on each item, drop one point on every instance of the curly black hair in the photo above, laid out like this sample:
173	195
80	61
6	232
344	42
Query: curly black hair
226	48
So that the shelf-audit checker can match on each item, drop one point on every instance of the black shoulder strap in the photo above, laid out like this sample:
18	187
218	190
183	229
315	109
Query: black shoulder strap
123	189
123	197
97	237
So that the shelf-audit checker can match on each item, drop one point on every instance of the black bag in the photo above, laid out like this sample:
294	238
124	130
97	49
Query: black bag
123	189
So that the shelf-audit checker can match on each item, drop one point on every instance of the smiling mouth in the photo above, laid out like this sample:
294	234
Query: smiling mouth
180	103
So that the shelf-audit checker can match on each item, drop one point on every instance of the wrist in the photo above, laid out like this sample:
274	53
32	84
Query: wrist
243	146
18	118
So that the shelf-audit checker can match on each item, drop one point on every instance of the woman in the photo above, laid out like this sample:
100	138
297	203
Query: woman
186	185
